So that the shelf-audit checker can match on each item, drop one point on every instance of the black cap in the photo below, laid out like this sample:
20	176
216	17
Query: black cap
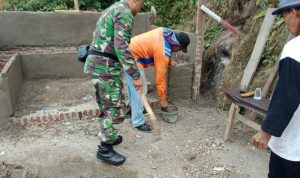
183	39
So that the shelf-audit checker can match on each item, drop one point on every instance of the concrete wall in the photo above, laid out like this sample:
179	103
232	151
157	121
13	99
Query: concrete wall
51	28
61	65
10	86
15	80
5	102
180	82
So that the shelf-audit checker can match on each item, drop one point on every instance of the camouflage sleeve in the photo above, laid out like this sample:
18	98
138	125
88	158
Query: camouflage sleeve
123	26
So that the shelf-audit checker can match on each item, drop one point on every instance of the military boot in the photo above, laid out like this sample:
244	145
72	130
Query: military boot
108	154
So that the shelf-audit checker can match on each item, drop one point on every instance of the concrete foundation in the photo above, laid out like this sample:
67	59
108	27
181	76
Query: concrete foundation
62	33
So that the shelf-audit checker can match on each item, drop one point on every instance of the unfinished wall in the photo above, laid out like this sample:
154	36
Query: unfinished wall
60	65
47	43
15	79
11	82
51	28
180	82
5	102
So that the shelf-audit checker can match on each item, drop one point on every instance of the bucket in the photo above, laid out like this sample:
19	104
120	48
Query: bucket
170	114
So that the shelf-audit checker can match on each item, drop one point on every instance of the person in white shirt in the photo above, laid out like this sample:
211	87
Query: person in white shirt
280	131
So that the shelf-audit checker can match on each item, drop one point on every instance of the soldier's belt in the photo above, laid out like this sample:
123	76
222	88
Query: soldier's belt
98	53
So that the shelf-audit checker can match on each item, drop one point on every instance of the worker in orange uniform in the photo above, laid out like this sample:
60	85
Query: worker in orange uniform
153	48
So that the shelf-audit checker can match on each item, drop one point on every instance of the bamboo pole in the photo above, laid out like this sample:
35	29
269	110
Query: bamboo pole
199	51
76	5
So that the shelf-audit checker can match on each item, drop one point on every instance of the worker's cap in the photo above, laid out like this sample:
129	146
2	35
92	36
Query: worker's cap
183	39
285	5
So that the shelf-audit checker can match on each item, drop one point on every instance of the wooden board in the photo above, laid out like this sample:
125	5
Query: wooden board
199	51
258	49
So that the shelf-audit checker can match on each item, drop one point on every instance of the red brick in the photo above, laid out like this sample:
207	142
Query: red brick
45	119
38	120
51	119
61	116
31	121
85	113
91	113
25	121
19	121
97	112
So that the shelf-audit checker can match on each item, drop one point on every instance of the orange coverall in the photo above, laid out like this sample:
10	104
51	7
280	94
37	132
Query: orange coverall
151	49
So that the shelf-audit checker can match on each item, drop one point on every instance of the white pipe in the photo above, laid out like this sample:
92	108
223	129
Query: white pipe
211	13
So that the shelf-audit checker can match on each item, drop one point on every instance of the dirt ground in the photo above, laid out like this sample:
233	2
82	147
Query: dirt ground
191	147
58	95
54	95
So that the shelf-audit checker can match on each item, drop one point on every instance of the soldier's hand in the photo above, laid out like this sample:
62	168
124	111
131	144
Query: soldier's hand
261	139
138	84
164	104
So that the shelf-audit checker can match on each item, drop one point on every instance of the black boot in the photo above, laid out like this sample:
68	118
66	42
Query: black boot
108	154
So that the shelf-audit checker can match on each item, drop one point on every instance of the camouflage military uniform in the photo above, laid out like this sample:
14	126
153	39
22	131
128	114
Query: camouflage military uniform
112	35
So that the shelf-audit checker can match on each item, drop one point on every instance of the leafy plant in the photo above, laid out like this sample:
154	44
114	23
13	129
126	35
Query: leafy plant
212	33
50	5
270	55
171	13
218	3
262	3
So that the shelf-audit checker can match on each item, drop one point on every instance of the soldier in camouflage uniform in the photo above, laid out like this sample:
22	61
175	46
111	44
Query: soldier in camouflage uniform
111	56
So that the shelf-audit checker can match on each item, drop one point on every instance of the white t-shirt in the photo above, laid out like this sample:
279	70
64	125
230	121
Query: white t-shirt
288	145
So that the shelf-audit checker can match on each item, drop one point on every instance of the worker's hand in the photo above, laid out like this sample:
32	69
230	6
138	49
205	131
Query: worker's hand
138	84
164	104
261	139
173	63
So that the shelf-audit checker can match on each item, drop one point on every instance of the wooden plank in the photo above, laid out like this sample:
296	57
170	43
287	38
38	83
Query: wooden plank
230	121
270	79
199	51
248	122
258	49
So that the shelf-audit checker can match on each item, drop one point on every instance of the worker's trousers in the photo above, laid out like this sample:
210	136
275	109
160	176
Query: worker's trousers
136	104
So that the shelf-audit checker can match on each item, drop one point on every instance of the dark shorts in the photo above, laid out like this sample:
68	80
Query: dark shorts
282	168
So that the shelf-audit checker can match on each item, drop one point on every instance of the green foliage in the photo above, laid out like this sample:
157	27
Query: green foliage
218	3
262	3
213	32
172	13
261	14
50	5
279	31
